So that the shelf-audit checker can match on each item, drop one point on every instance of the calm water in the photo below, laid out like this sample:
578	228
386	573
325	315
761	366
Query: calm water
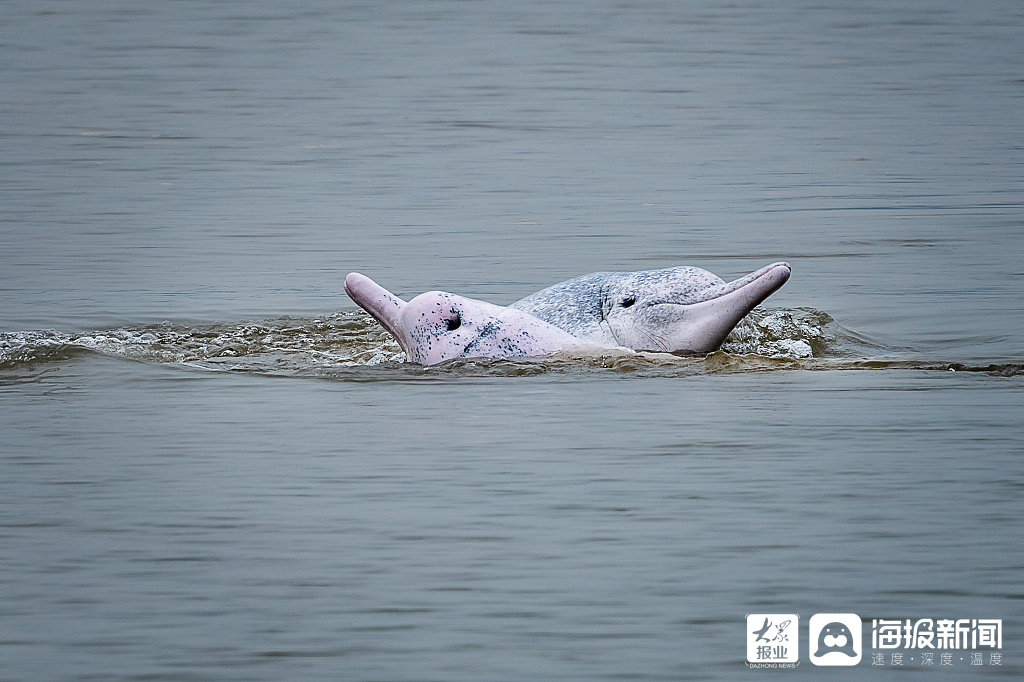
213	467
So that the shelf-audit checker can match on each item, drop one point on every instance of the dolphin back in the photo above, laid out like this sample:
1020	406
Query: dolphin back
575	306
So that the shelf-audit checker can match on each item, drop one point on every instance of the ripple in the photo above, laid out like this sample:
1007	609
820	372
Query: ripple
350	345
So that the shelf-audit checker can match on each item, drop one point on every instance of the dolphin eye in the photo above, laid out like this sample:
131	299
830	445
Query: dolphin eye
626	302
453	323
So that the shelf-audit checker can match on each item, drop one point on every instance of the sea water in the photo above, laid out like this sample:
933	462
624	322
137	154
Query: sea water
213	466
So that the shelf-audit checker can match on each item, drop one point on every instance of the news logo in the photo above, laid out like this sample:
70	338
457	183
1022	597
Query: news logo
834	639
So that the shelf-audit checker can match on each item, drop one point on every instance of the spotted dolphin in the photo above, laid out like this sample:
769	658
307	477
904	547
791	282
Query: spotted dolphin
438	326
681	310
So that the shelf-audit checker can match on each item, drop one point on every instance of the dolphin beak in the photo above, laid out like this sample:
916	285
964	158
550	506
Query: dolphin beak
725	305
384	306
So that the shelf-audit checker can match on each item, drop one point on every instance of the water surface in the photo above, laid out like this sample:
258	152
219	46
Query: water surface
214	467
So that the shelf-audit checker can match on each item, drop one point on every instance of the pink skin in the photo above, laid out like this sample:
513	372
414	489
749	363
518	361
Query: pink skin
437	326
696	327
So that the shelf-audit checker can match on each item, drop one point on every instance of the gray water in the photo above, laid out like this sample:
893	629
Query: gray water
213	466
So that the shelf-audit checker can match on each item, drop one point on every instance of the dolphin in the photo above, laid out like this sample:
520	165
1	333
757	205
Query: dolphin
438	326
681	310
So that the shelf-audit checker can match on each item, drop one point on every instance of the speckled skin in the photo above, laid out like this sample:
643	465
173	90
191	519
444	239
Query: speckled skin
681	310
438	326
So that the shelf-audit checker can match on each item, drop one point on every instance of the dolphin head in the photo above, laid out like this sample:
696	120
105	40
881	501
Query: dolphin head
684	310
438	326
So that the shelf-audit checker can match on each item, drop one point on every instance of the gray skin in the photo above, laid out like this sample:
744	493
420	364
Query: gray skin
683	310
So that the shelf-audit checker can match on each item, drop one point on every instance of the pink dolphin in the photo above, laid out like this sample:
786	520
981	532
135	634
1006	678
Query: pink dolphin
437	326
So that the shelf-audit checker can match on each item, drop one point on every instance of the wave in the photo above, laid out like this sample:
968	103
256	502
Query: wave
351	345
